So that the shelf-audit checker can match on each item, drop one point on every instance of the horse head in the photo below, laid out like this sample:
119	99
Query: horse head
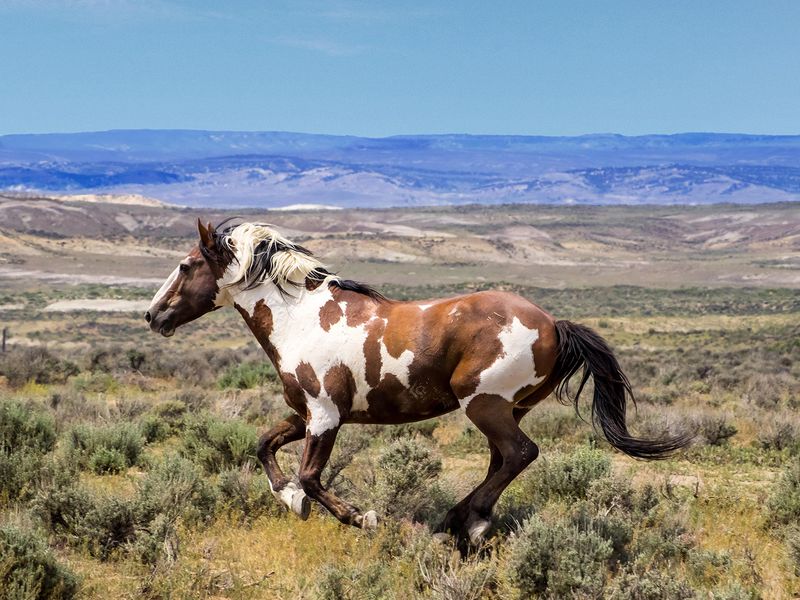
192	289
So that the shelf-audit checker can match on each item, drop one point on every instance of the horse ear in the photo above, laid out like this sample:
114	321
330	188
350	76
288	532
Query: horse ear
206	234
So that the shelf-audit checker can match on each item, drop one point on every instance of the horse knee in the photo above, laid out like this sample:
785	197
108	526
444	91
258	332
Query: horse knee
264	450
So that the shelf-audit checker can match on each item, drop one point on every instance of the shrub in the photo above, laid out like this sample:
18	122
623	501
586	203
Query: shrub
35	364
783	507
109	524
176	487
18	473
336	582
793	543
448	577
615	527
735	591
567	475
154	428
779	433
650	584
217	444
29	570
667	539
404	479
25	427
246	491
556	560
247	375
107	460
60	503
92	444
95	381
715	429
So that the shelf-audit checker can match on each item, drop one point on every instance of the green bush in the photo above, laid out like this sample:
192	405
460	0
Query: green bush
176	487
668	539
60	502
217	444
793	543
779	433
650	584
95	381
247	375
28	569
556	560
93	444
25	427
107	460
613	526
566	475
18	473
783	507
110	523
715	429
404	479
246	491
37	364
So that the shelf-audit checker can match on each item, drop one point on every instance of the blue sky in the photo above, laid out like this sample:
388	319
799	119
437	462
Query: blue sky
380	68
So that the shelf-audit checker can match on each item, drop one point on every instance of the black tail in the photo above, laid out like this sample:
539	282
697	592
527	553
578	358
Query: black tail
580	346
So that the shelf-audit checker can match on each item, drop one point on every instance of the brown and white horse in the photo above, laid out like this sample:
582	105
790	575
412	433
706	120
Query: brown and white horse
347	354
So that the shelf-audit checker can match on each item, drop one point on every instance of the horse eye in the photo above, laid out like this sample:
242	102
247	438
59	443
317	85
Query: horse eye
184	268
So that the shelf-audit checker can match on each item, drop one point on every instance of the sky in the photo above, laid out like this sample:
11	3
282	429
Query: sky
562	67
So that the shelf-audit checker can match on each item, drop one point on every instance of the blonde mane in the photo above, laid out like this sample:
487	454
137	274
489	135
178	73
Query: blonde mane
261	252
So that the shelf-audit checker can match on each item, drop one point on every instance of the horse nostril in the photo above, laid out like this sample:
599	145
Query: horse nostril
147	316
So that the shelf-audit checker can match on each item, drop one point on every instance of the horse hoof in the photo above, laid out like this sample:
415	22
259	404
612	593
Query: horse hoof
442	538
369	520
477	531
301	505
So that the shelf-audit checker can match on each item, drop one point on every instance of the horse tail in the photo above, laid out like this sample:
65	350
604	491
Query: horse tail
580	346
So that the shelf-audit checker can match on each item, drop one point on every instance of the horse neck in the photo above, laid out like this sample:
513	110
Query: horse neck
273	316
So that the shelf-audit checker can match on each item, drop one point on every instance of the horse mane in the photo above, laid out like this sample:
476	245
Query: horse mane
260	252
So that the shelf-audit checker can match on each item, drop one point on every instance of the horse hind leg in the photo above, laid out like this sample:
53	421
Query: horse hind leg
498	420
286	491
457	516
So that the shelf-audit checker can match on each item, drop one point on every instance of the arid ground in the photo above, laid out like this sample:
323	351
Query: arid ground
127	464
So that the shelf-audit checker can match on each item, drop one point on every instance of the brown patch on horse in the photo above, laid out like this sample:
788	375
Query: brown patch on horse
372	352
358	308
308	379
312	284
261	324
329	314
402	328
293	392
340	385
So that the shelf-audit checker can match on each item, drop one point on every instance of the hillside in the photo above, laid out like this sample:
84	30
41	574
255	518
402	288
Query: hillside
545	246
271	169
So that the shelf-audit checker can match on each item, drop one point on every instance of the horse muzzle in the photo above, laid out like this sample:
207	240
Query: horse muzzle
161	322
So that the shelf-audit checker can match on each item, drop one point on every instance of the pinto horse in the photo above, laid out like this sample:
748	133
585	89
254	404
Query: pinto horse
347	354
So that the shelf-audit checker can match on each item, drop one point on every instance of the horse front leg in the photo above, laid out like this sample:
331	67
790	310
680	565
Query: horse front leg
317	452
285	490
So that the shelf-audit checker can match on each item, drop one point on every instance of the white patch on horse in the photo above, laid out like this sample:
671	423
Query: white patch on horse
424	307
514	367
164	288
324	414
399	367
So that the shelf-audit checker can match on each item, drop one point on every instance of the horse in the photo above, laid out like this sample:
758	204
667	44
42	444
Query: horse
346	354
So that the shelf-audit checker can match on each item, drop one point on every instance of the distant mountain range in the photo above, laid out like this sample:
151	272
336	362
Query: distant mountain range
274	169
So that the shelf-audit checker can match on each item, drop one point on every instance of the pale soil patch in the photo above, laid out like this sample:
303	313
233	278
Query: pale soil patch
98	305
